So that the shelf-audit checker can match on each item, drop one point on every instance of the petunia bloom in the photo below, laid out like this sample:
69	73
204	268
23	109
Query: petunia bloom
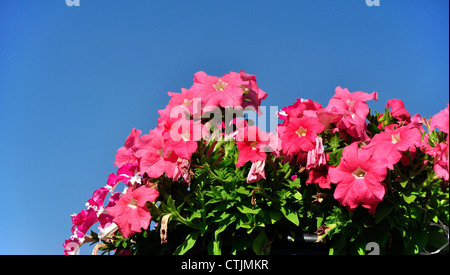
256	171
352	110
72	245
83	221
155	160
125	154
440	120
389	145
441	159
300	135
253	95
398	110
251	143
358	179
130	213
317	157
216	91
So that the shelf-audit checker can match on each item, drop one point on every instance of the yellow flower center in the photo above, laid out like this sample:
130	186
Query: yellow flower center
301	132
220	85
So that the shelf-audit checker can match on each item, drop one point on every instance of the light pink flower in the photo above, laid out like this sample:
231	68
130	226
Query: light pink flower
256	171
317	156
72	245
183	170
358	178
130	213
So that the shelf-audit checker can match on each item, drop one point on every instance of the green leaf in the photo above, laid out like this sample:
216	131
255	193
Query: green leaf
298	196
382	212
214	246
247	210
409	199
404	183
296	183
187	244
260	244
290	215
274	216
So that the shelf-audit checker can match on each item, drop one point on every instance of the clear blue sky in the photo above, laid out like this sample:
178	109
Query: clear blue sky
75	80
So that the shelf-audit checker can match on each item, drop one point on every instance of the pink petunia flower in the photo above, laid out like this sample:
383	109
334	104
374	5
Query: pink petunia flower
358	179
251	143
298	109
256	171
389	144
83	221
154	159
253	95
216	91
353	110
440	120
320	176
316	157
130	213
398	110
72	245
300	135
441	163
125	154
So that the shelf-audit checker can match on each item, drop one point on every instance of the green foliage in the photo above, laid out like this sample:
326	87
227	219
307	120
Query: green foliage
220	213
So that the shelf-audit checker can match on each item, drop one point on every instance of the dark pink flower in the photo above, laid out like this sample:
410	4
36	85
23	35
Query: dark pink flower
319	175
440	153
389	145
398	110
253	95
352	109
358	178
125	154
251	143
130	213
440	120
83	221
216	91
154	160
298	109
300	135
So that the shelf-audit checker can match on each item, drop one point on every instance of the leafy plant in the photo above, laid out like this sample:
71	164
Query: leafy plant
209	180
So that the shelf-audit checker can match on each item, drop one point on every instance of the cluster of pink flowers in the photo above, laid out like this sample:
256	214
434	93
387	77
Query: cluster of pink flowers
185	123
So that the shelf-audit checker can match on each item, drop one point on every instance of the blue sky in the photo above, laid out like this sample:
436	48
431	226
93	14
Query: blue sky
74	81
